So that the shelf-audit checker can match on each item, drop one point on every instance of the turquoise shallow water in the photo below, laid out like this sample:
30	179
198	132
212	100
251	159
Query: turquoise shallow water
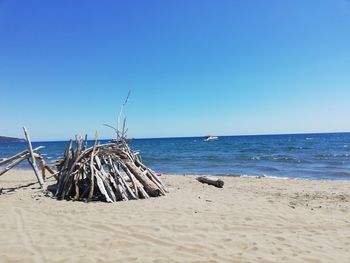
312	156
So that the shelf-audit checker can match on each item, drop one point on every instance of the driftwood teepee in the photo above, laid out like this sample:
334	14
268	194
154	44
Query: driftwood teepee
109	172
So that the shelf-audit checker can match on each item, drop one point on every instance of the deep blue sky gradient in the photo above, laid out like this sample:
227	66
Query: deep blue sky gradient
194	67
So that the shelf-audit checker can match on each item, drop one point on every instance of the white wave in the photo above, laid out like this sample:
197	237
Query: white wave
277	177
265	176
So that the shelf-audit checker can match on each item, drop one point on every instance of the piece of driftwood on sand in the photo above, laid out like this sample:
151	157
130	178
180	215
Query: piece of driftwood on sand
211	181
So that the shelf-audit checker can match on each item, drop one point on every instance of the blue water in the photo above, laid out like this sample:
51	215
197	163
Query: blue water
312	156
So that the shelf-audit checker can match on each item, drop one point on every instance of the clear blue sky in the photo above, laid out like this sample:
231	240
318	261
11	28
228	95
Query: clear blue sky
194	67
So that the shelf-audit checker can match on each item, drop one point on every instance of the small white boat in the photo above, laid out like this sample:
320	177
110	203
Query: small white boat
211	138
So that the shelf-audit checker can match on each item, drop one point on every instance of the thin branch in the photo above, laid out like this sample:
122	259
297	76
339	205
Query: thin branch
120	114
110	126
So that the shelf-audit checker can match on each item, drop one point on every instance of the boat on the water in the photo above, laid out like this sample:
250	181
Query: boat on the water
210	138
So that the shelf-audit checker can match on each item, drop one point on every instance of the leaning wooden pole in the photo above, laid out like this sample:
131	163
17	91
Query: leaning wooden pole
18	155
13	164
33	162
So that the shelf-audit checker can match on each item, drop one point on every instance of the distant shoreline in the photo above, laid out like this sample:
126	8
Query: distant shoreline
5	139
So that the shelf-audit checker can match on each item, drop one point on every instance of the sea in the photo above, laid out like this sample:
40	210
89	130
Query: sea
307	156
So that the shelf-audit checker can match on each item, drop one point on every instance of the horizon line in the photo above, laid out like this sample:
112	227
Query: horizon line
201	136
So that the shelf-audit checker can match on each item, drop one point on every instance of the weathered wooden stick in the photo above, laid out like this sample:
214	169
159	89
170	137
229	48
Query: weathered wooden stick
109	177
92	167
106	180
41	164
13	164
18	155
77	192
211	181
142	190
33	162
131	193
63	168
138	163
102	187
155	182
123	192
75	155
85	142
132	178
120	114
145	181
52	172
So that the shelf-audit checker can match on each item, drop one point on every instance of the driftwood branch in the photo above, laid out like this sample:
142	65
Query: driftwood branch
33	162
211	181
121	135
18	158
18	155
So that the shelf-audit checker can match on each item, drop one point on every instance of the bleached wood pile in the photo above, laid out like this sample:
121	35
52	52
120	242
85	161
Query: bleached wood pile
107	172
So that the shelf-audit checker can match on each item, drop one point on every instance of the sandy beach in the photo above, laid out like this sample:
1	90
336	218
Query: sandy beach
249	220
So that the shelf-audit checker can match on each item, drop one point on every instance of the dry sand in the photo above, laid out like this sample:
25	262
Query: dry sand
249	220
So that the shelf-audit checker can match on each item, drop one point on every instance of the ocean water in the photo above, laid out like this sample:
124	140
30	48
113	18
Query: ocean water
311	156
